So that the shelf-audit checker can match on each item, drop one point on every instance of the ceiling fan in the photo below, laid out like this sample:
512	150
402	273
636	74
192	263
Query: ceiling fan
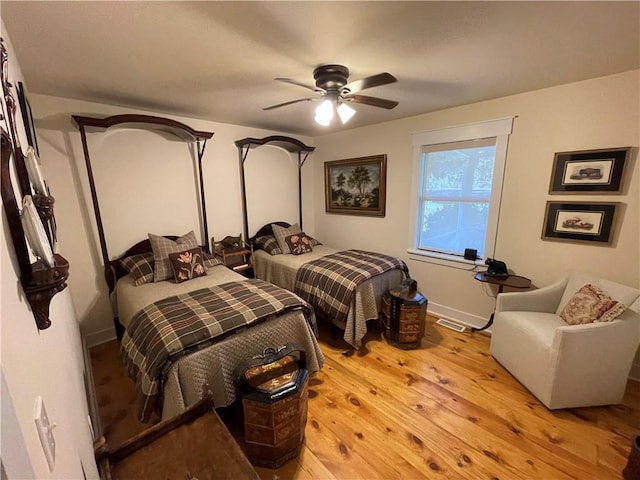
333	87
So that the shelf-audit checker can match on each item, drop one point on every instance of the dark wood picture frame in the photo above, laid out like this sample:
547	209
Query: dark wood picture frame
356	186
27	118
582	222
589	171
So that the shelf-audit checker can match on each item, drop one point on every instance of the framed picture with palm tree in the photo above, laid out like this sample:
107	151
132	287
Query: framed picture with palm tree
356	186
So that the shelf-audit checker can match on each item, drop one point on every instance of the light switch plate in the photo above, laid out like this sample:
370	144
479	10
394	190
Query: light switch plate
45	432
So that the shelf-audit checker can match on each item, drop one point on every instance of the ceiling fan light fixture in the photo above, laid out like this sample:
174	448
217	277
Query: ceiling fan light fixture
324	113
345	112
332	83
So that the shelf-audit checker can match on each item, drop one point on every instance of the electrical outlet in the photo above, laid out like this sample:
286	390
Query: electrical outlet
45	432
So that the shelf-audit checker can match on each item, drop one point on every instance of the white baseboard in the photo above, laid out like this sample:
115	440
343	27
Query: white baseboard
471	320
92	400
457	316
101	336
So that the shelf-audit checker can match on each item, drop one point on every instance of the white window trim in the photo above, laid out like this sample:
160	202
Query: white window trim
501	129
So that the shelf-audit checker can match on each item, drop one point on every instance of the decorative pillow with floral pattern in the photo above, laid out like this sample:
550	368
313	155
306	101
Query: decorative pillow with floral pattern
590	304
280	232
187	265
299	243
162	247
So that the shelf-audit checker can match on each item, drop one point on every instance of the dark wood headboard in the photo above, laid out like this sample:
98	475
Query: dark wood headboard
150	122
114	270
266	230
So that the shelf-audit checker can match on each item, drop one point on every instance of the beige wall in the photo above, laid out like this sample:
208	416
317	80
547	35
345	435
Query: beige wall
146	184
48	363
598	113
592	114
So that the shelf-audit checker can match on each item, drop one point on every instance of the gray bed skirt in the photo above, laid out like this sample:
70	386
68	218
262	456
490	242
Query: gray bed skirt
213	366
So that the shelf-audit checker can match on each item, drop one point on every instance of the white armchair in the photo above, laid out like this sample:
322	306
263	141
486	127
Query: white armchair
564	365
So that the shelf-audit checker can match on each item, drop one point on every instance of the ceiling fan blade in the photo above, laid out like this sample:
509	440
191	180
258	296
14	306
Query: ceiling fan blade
373	101
369	82
300	84
289	103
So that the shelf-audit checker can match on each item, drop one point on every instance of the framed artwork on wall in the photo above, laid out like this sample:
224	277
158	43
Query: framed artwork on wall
356	186
589	171
580	222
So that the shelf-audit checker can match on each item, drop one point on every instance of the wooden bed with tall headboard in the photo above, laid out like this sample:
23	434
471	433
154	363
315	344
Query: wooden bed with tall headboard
112	267
211	342
344	286
359	304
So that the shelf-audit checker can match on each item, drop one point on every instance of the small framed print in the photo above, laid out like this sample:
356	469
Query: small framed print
589	171
580	222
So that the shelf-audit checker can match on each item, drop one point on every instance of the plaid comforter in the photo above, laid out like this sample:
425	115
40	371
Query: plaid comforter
330	282
175	325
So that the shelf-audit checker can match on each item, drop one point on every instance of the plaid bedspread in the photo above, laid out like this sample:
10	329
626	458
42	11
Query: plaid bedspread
175	325
330	282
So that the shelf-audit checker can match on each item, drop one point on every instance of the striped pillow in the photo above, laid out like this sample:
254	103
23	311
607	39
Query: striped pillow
283	232
140	267
210	260
269	244
162	247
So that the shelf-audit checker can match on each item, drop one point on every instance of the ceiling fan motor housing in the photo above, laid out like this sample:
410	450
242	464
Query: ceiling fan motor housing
332	85
331	77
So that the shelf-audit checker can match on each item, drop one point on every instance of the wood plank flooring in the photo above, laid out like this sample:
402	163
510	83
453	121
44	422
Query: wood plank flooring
447	410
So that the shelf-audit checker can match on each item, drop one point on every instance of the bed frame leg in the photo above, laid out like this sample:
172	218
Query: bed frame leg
336	332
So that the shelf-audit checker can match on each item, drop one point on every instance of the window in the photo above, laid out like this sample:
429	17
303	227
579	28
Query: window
459	172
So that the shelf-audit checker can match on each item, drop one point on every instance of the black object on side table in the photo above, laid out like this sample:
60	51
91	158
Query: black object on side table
511	281
236	255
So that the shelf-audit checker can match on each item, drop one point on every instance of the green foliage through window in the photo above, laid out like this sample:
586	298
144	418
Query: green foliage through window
455	198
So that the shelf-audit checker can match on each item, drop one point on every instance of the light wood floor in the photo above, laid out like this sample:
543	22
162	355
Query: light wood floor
447	410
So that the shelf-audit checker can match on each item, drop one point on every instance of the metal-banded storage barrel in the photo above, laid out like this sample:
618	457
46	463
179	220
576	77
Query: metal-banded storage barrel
274	392
403	314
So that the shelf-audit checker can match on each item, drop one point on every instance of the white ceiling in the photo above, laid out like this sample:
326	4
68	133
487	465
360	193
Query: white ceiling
218	60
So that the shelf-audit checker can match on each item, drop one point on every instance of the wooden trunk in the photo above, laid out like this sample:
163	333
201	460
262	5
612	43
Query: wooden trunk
274	404
193	444
403	315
